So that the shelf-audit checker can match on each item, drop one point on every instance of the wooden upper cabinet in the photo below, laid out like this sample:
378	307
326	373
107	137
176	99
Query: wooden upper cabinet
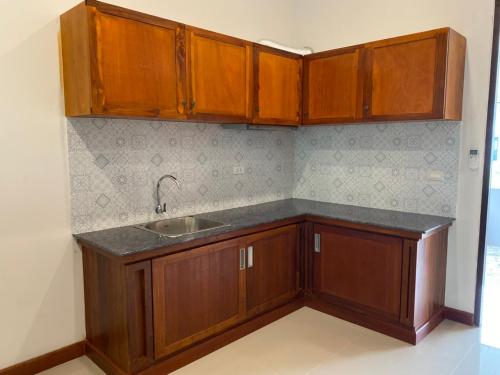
333	86
196	294
272	258
219	77
121	63
418	76
278	86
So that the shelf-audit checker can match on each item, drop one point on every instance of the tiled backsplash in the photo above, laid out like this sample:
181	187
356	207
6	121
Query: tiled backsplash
404	167
114	166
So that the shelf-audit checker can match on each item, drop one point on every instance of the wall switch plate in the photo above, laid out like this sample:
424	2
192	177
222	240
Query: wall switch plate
473	158
238	169
435	175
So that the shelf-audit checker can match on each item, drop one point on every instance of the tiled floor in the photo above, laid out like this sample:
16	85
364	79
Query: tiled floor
310	342
490	334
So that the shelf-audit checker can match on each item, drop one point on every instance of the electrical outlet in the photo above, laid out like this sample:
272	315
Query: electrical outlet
435	175
238	169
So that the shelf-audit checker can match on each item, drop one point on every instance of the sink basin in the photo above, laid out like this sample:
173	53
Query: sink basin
180	226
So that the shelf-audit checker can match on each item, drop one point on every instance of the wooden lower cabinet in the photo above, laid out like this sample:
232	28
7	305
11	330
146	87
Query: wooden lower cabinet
160	313
272	271
361	269
392	284
203	291
196	294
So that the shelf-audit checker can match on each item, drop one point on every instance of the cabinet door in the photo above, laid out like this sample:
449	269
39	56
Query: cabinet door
138	69
278	86
219	77
359	270
333	86
406	77
197	293
272	277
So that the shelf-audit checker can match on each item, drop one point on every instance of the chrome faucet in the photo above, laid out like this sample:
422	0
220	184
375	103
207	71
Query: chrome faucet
162	208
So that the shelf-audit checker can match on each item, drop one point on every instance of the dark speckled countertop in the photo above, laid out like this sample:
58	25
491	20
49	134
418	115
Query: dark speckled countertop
129	240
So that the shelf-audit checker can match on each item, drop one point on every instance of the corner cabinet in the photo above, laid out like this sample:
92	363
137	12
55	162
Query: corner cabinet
119	63
360	269
390	282
413	77
278	86
333	86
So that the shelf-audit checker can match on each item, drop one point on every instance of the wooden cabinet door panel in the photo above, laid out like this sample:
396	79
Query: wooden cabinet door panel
219	76
137	70
333	86
406	77
278	88
197	294
271	268
360	269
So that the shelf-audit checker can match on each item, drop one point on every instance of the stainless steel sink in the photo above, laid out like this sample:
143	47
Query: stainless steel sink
180	226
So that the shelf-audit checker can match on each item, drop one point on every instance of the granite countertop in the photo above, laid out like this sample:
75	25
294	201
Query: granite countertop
130	240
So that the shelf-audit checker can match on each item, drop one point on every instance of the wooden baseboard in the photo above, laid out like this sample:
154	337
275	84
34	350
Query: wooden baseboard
177	360
46	361
387	328
460	316
433	322
70	352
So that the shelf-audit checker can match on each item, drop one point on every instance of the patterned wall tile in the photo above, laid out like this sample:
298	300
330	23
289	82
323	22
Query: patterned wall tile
114	166
389	166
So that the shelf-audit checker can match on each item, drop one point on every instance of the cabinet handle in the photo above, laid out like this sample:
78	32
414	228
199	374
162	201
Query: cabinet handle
317	242
250	257
257	109
367	107
242	259
193	104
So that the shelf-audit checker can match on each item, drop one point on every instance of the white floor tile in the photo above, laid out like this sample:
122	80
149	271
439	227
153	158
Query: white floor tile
309	342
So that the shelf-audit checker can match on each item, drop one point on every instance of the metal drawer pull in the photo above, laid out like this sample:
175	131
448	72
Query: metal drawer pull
242	259
250	256
317	242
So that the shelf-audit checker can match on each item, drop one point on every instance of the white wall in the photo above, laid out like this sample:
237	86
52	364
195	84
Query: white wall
327	24
40	267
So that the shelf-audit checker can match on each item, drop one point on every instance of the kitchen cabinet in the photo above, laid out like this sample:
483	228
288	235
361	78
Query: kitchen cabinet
278	86
197	293
359	268
219	74
272	268
120	63
157	310
391	282
418	76
333	86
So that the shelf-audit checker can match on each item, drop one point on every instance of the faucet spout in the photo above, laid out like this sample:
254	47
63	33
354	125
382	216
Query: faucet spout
161	208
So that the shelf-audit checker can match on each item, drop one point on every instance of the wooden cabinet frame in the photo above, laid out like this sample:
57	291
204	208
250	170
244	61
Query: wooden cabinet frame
258	118
193	101
357	114
85	91
119	294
